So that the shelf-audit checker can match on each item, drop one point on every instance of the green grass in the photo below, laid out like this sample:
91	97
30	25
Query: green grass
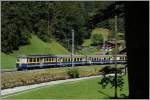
36	46
84	89
89	51
87	42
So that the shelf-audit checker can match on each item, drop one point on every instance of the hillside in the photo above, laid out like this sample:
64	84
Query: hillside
36	46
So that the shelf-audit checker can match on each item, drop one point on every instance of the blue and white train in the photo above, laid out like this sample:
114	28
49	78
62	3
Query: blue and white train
43	61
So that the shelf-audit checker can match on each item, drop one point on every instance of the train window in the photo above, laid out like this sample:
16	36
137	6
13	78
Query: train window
80	59
74	59
30	60
34	59
37	59
123	58
62	59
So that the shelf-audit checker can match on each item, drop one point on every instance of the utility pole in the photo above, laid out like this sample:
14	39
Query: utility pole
48	18
72	46
115	53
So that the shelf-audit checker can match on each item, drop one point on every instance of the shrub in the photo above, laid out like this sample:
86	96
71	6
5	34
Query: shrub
73	73
110	70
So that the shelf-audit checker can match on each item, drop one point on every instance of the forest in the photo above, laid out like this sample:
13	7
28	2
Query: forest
55	20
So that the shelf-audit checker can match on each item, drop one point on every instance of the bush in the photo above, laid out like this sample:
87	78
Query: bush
73	73
110	70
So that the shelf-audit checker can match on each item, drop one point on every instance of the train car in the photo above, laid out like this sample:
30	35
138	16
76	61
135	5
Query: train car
35	61
43	61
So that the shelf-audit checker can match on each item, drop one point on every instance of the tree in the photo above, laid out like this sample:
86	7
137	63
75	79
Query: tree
137	37
97	39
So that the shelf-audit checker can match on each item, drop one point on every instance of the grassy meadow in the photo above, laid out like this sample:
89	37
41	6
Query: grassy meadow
83	89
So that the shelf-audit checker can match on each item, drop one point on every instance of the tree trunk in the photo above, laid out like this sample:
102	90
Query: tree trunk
137	30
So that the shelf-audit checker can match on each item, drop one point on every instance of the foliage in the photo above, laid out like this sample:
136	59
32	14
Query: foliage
73	73
109	70
51	20
18	21
99	35
97	38
111	80
105	17
114	81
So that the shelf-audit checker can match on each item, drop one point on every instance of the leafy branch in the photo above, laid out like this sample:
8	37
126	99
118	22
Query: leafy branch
111	80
